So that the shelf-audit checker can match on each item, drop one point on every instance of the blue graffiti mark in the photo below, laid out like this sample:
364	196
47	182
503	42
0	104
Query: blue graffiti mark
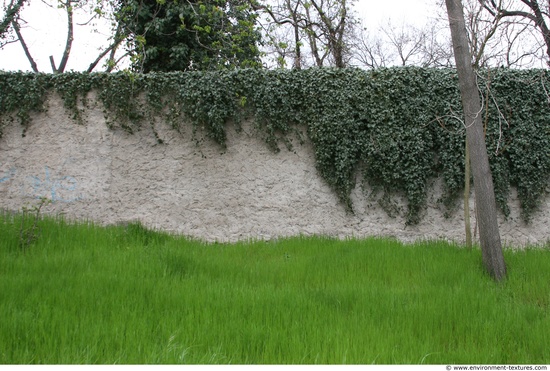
52	185
11	172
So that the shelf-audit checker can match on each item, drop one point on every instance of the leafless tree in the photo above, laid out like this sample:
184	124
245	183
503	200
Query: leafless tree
371	51
537	14
437	49
310	32
332	22
501	39
496	40
403	45
407	41
489	235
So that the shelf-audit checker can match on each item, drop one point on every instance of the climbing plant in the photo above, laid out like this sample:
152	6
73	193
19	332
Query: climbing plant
20	95
396	127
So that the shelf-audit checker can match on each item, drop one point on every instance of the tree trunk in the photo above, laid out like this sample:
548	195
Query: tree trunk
489	235
467	227
541	24
69	42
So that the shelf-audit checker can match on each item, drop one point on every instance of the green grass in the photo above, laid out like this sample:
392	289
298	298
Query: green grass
88	294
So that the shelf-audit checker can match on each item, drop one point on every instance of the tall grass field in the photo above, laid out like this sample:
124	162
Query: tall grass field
85	294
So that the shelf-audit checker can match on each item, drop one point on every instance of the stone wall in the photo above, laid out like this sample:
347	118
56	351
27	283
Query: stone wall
245	192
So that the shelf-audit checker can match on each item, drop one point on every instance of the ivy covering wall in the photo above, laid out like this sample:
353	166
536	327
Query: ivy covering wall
398	127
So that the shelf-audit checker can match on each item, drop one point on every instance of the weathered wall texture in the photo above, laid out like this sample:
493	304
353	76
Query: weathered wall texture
248	192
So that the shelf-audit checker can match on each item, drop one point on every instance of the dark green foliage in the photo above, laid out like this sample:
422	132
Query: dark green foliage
518	137
397	127
181	35
22	94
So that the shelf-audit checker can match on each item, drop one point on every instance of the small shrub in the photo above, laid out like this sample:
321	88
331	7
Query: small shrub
29	230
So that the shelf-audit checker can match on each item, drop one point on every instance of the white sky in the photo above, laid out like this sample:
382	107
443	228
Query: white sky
417	12
46	31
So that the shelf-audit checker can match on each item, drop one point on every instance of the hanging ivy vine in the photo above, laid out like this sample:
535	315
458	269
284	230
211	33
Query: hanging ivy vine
398	127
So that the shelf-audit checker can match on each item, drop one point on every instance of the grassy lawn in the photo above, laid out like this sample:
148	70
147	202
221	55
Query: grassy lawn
88	294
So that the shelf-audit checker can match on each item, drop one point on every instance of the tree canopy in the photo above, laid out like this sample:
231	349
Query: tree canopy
183	35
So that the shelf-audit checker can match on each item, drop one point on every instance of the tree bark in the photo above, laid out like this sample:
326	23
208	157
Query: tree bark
24	45
335	33
295	23
467	227
541	24
70	38
489	235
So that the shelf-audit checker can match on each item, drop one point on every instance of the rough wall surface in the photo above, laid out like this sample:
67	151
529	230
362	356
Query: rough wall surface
246	192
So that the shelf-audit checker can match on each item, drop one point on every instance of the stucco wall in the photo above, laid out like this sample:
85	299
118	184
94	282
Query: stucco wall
246	192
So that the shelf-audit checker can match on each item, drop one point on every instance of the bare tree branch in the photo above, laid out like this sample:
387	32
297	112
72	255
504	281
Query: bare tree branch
17	30
118	38
324	25
534	13
69	42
